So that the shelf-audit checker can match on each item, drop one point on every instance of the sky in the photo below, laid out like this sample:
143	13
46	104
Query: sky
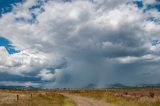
76	43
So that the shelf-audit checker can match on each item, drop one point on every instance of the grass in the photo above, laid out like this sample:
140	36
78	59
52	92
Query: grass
119	97
124	97
38	98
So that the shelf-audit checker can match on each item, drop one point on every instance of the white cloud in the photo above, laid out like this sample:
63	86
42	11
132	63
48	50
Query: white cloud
149	1
131	59
46	75
3	52
27	61
77	40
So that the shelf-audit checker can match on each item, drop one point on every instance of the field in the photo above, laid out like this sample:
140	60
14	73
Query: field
33	98
125	97
81	97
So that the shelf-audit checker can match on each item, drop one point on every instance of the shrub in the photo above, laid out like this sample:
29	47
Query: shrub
151	94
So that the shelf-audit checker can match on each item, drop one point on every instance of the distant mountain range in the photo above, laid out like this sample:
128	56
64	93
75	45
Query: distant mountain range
90	86
119	85
149	85
16	87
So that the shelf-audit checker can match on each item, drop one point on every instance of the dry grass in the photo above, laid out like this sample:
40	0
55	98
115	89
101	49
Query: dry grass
119	97
33	98
125	97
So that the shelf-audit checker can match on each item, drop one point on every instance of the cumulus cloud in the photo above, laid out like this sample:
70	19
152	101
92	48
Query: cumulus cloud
46	75
73	44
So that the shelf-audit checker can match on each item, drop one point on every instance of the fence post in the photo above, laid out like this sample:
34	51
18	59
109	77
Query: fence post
17	97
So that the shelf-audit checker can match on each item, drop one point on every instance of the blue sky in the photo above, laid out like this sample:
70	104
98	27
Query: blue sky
5	5
8	45
148	6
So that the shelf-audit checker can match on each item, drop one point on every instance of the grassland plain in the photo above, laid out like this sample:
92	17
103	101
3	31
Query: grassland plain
33	98
115	97
124	97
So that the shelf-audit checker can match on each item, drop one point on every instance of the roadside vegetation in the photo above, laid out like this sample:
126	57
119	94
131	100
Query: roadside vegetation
33	98
125	97
118	97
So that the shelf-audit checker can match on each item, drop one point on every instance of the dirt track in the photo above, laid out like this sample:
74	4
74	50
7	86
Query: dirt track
83	101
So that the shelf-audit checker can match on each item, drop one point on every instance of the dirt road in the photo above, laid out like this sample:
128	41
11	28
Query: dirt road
83	101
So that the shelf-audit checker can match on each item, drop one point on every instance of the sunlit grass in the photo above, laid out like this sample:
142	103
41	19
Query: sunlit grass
34	98
118	97
123	97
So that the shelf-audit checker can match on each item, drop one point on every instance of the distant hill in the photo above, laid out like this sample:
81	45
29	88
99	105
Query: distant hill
16	87
117	85
90	86
149	85
10	87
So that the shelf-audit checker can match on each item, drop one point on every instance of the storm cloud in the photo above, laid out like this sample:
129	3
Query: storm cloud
80	42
